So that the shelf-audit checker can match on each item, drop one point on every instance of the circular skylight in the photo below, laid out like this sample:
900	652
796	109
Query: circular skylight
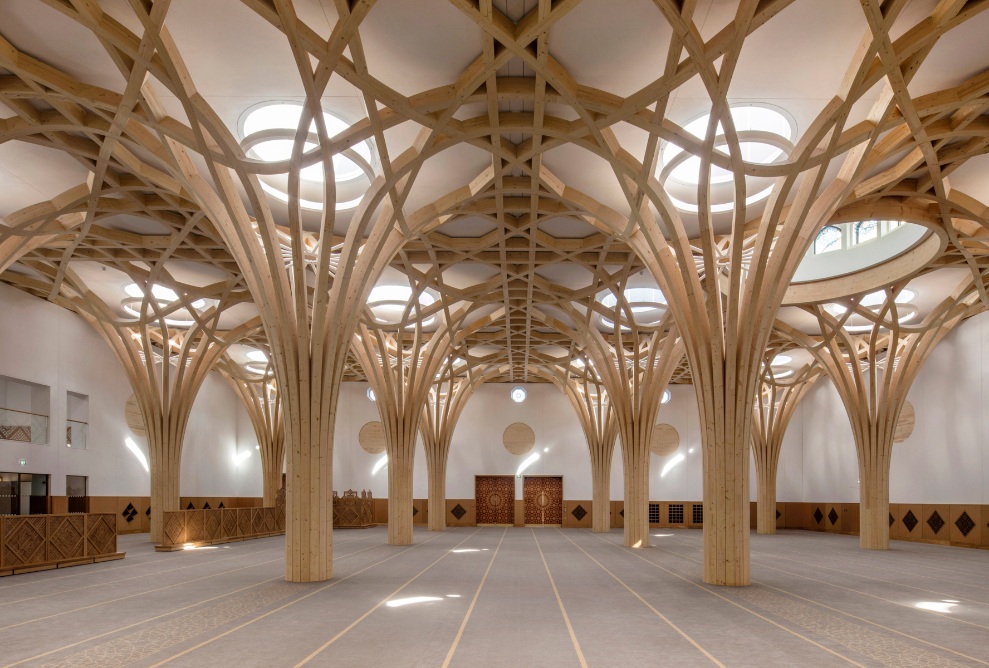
747	118
648	305
874	301
518	394
286	116
134	304
257	356
389	302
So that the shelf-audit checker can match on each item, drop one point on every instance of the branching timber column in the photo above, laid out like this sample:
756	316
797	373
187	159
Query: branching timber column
597	418
774	407
402	366
447	398
873	373
259	395
167	343
634	370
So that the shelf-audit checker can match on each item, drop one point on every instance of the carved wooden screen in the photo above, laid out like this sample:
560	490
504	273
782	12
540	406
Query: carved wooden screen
543	497
495	498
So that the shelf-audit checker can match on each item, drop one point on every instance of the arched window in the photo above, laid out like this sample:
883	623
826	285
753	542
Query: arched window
828	239
866	231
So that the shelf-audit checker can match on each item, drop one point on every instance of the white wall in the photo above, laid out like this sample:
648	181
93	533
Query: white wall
46	344
946	460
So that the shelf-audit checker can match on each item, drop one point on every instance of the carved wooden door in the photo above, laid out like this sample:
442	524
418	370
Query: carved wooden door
543	496
495	499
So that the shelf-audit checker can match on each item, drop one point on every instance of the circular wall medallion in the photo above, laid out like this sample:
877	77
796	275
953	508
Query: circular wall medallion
904	426
494	499
372	437
518	438
133	417
665	440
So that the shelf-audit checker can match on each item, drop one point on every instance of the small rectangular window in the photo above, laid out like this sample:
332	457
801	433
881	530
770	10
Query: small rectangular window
675	513
653	513
698	513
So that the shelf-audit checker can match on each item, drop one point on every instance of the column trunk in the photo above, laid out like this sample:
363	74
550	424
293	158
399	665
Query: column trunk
165	466
765	499
437	491
726	490
400	496
601	501
272	462
308	494
873	501
635	458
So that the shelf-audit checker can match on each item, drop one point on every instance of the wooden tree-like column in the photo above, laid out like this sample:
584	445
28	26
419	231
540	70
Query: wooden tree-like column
634	371
259	396
447	398
774	408
402	367
873	373
599	423
166	351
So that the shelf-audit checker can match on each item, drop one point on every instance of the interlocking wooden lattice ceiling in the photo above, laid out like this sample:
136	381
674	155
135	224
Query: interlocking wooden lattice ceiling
516	178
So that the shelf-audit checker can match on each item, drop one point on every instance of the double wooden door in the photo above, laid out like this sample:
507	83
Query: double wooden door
543	498
494	498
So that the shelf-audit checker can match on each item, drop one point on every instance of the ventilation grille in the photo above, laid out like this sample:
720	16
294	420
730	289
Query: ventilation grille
675	513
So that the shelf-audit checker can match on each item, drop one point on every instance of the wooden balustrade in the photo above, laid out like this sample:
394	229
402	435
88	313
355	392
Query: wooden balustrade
39	542
183	528
353	511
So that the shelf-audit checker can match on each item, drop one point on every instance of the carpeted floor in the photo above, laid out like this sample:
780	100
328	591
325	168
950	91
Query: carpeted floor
506	597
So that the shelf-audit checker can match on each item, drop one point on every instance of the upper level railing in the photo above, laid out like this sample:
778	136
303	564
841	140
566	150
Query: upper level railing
77	434
22	426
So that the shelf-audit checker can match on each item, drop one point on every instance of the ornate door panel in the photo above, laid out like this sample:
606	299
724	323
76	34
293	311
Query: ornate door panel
495	499
543	497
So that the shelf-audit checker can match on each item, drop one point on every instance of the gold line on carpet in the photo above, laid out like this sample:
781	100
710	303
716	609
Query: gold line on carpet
177	584
381	603
566	618
841	612
646	603
470	608
723	598
166	614
291	603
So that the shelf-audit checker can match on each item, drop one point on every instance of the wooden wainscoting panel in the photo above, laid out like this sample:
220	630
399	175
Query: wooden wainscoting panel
617	514
419	511
519	513
965	524
912	516
461	513
542	497
832	517
780	516
577	513
59	505
494	497
897	531
935	523
381	511
850	522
